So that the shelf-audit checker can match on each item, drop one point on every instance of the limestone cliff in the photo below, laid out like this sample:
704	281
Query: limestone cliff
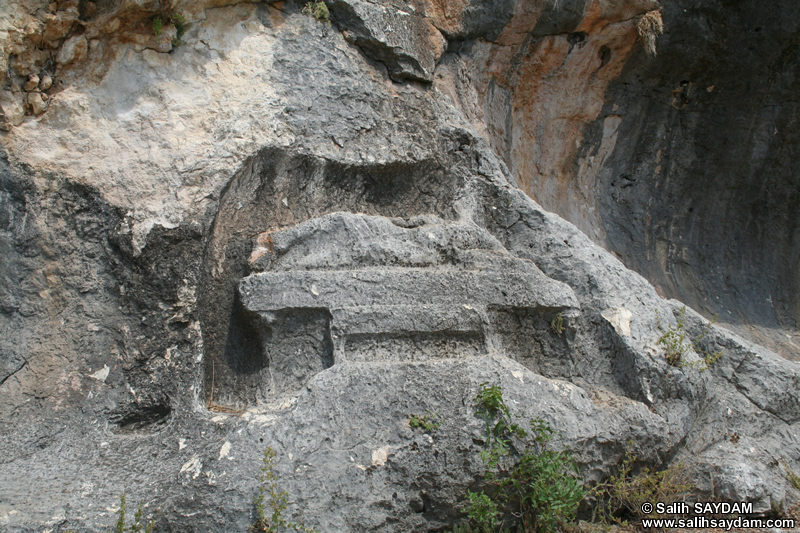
227	226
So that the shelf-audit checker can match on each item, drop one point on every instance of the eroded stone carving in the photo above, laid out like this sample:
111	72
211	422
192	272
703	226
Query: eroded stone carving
393	290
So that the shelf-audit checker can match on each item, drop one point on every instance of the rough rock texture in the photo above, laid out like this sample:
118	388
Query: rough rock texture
395	298
723	231
263	239
393	33
682	164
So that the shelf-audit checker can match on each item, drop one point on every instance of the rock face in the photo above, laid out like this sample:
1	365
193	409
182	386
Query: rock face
291	235
399	291
710	218
724	235
394	34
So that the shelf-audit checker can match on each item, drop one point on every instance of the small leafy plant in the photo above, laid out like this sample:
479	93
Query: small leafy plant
318	10
270	503
138	525
674	340
677	344
179	21
483	510
158	26
527	483
428	422
557	325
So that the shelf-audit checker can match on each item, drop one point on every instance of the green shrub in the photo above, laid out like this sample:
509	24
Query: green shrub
483	510
179	21
527	482
318	10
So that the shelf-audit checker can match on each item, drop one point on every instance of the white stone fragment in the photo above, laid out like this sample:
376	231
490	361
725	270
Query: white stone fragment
74	49
225	450
380	456
101	374
620	318
193	466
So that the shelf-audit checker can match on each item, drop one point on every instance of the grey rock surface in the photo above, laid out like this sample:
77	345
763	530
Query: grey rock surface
709	218
393	33
261	240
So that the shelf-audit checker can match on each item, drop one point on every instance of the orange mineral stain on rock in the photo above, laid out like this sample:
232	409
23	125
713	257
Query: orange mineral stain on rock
560	89
446	15
541	92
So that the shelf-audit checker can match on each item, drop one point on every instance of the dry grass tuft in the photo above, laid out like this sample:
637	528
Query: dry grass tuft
650	25
624	493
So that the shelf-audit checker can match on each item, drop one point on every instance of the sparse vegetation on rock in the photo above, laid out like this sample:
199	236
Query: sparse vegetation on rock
428	422
792	476
139	524
270	502
557	324
158	26
527	484
177	20
677	344
317	9
620	498
650	26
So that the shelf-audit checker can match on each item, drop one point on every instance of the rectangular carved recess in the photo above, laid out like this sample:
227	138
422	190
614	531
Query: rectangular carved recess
300	347
533	337
417	346
275	353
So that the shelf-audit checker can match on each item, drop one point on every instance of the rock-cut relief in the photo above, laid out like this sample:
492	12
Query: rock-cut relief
348	287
